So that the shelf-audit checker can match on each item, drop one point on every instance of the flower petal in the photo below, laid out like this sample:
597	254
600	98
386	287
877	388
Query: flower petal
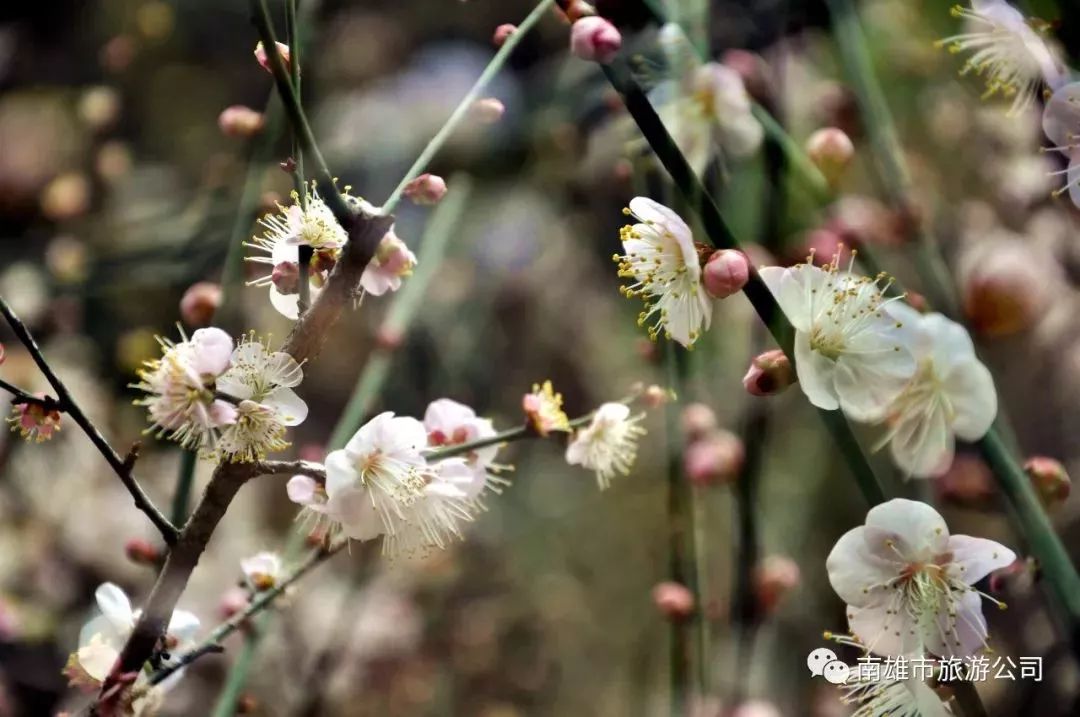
290	408
884	631
975	558
341	472
921	528
356	513
115	606
857	566
970	390
815	374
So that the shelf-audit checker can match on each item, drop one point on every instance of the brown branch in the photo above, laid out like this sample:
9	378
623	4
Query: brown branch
305	468
67	404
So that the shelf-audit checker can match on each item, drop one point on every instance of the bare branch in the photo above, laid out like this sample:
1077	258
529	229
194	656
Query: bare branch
305	468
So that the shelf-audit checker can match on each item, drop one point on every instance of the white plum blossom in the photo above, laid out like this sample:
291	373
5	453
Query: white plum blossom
449	423
908	583
661	258
951	394
103	637
392	261
868	690
1006	50
1061	123
608	445
381	483
849	352
261	571
261	383
180	389
311	496
312	225
707	109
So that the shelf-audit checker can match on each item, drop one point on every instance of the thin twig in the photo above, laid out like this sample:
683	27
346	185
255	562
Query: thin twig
68	405
19	396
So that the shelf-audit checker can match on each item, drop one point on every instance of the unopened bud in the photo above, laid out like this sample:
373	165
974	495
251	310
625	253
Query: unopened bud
240	121
388	338
286	277
967	482
1004	289
426	189
1050	479
698	421
831	150
725	273
715	459
233	601
862	220
578	9
774	577
199	303
487	110
264	60
246	705
769	374
502	32
142	552
754	72
595	39
674	601
820	247
655	396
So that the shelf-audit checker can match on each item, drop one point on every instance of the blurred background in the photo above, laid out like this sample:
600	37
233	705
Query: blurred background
119	191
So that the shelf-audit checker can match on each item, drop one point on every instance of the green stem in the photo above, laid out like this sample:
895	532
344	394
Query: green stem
238	672
806	170
406	305
466	103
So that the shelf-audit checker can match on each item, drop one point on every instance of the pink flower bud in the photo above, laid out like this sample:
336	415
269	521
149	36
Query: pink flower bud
502	32
426	189
769	374
967	482
862	220
820	246
388	338
774	577
142	552
674	601
264	60
199	303
1004	288
715	459
725	273
487	110
286	277
240	121
233	601
595	39
698	421
1050	479
831	150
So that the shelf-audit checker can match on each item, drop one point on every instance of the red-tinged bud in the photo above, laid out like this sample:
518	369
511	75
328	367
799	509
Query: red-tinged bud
246	705
863	220
286	277
264	60
199	303
595	39
674	601
725	273
240	121
769	374
234	600
142	552
502	32
820	246
698	421
754	72
388	338
1004	289
487	110
1017	576
967	482
655	396
831	150
1050	479
715	459
774	577
426	189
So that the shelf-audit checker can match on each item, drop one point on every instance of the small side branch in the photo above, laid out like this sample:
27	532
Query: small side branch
65	403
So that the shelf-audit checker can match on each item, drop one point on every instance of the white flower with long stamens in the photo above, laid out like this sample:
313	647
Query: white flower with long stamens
608	445
261	571
261	382
308	493
380	483
312	225
180	389
1006	50
908	583
661	258
951	394
1061	123
449	423
874	696
849	352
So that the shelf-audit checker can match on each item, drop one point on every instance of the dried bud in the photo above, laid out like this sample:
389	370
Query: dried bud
1004	289
1050	479
199	303
769	374
142	552
725	273
240	121
655	396
426	189
674	601
595	39
264	60
715	459
286	277
487	110
831	150
698	421
33	421
502	32
774	577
